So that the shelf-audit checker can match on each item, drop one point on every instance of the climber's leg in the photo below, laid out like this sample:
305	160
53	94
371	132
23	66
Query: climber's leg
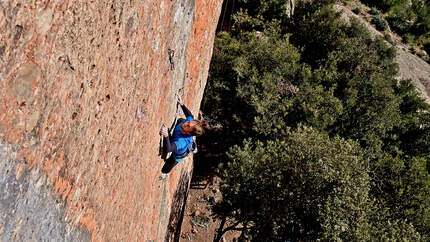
169	164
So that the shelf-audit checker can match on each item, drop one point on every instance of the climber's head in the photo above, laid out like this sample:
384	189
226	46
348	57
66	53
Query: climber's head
192	128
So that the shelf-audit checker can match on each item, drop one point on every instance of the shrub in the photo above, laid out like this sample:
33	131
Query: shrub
383	5
356	11
379	23
388	38
374	11
409	39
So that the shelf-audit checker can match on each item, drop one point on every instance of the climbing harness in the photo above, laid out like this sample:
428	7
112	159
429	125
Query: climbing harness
191	148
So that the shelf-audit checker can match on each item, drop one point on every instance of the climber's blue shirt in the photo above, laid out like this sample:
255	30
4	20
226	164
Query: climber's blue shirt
181	140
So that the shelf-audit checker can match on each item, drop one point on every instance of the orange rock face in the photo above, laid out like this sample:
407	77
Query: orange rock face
84	88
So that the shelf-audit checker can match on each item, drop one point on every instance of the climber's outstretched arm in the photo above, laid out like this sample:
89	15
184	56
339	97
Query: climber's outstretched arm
184	109
187	112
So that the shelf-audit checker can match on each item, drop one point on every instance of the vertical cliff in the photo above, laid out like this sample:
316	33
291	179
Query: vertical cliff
84	88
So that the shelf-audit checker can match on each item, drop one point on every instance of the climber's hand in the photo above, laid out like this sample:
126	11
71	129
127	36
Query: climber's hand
163	131
180	100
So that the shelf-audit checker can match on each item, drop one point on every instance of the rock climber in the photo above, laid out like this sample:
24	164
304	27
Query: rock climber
181	143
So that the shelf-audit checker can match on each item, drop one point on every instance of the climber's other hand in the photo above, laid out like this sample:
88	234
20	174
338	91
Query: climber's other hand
163	131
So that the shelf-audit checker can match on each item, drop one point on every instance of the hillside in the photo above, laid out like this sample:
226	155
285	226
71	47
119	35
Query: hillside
411	66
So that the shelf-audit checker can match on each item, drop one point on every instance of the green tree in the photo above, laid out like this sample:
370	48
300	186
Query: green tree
384	5
304	186
251	83
412	135
358	70
403	186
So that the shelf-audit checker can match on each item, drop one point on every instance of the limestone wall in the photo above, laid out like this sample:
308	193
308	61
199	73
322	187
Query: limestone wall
84	88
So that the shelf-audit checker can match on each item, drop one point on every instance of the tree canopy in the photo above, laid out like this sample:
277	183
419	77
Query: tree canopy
320	139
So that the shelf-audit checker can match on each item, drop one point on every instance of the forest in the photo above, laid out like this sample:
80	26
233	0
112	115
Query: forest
318	138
